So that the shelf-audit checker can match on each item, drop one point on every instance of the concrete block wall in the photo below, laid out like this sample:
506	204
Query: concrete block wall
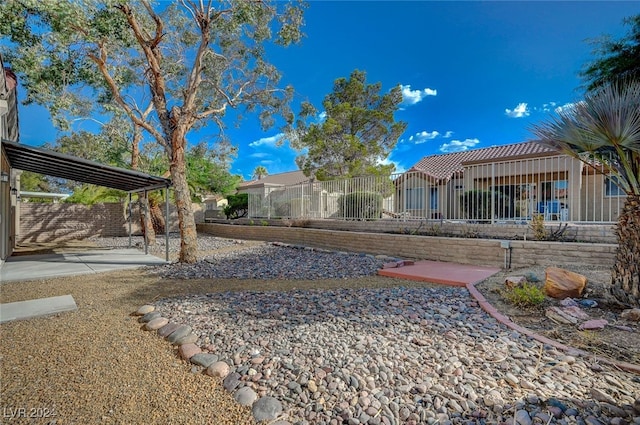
604	233
486	252
49	222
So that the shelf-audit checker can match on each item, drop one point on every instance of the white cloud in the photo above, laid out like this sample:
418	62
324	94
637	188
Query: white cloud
458	146
411	97
565	108
547	107
267	141
518	112
322	116
448	134
423	136
259	155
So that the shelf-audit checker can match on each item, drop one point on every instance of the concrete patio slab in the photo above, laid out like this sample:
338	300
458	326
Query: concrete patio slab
45	266
36	308
451	274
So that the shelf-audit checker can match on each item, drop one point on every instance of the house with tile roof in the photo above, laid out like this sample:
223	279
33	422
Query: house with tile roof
510	182
273	181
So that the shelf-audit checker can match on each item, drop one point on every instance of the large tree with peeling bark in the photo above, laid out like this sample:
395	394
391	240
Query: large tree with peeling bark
195	61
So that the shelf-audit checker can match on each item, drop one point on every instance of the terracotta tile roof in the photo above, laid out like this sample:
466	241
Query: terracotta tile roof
444	166
284	179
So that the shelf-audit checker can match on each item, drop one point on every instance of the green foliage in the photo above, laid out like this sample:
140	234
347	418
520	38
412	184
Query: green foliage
34	182
537	227
237	207
89	194
259	172
477	204
208	171
525	295
170	68
360	205
359	130
615	59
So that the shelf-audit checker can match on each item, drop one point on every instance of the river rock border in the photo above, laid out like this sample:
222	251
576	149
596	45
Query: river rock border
268	408
264	408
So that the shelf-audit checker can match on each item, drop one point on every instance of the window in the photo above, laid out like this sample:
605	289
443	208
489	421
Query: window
433	203
611	187
554	190
415	198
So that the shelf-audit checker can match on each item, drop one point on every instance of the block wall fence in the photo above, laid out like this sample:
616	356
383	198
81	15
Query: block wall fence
486	252
49	222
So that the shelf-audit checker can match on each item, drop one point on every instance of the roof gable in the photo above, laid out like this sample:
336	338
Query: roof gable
444	166
280	179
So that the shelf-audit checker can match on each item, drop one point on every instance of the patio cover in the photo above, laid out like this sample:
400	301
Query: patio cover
50	163
43	161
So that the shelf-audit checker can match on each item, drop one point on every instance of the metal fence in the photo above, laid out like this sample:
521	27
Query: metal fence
559	188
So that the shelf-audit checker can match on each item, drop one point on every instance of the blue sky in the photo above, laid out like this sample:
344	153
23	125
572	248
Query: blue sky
474	74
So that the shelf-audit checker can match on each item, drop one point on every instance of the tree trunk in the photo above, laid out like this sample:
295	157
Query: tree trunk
625	276
145	216
145	219
188	234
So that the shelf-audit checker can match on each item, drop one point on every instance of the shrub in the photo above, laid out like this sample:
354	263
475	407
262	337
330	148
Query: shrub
360	205
238	206
525	295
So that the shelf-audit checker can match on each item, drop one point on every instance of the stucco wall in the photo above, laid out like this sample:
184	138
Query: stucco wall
460	250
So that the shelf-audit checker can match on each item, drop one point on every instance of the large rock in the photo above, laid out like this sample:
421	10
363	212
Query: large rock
560	283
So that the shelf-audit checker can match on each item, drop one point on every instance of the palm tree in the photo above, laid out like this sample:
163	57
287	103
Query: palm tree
260	172
603	131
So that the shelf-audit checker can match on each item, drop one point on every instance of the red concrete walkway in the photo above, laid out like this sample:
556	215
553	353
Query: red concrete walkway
451	274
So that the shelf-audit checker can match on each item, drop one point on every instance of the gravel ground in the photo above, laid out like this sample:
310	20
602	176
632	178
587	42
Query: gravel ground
365	350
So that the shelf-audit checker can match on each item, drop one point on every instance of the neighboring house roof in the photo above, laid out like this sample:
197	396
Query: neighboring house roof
445	166
281	179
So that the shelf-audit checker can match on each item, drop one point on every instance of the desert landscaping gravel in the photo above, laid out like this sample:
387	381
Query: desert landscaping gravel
295	341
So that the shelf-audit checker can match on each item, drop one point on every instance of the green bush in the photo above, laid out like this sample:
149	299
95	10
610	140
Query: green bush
238	206
360	205
295	207
525	295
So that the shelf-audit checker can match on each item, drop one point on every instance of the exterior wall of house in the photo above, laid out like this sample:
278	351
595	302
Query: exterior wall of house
594	188
460	250
418	204
9	131
49	222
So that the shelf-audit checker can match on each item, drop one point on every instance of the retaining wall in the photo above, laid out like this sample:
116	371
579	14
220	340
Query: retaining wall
486	252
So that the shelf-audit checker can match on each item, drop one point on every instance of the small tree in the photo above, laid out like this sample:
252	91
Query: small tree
259	172
237	207
358	132
196	59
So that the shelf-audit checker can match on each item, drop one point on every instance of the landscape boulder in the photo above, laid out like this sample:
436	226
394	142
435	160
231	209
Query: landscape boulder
561	283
